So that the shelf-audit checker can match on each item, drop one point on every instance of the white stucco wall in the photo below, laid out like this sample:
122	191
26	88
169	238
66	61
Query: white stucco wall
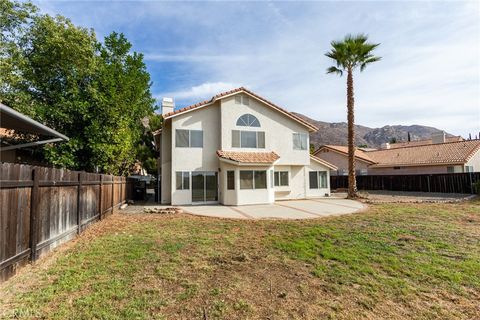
217	122
296	180
244	196
474	161
195	159
278	130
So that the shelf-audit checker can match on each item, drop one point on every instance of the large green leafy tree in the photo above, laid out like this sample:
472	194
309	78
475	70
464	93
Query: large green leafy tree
95	93
349	54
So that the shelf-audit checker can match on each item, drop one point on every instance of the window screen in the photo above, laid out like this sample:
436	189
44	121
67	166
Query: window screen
230	180
323	179
248	139
235	139
181	138
281	178
300	141
260	139
246	179
260	179
313	179
182	179
196	138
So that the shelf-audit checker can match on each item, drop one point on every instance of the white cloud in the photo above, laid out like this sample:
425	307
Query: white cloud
201	92
430	72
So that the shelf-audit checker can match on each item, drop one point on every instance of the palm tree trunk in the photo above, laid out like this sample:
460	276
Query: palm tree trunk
352	183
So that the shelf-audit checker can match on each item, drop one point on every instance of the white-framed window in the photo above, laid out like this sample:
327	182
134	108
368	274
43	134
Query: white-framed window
450	169
468	168
248	120
253	179
242	99
300	141
188	138
248	139
317	179
182	180
280	178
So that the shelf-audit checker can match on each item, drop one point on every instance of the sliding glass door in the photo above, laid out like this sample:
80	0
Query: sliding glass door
204	186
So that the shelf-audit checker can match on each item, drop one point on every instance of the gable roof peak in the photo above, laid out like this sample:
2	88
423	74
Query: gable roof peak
225	94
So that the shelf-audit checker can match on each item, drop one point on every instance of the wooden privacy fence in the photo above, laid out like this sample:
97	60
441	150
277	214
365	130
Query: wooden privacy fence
445	183
41	208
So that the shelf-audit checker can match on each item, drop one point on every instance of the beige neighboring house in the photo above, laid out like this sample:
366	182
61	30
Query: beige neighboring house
235	149
442	157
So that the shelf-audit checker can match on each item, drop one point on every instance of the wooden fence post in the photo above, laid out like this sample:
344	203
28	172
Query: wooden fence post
34	198
113	191
100	198
79	203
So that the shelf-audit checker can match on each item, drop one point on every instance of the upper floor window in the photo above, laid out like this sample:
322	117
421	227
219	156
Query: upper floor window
188	138
248	120
248	139
300	141
241	99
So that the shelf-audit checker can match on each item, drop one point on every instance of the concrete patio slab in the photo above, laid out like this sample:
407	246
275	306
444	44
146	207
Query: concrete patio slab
291	209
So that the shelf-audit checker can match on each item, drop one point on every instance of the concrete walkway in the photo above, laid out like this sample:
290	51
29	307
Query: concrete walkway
291	209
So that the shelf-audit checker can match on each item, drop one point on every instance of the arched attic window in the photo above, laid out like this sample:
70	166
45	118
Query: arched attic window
248	120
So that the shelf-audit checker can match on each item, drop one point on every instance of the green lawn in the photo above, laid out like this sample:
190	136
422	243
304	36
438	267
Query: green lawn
395	261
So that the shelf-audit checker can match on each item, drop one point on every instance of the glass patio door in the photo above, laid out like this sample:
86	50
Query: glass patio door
204	186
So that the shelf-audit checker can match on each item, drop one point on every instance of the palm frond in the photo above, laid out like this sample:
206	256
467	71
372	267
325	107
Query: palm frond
336	70
352	52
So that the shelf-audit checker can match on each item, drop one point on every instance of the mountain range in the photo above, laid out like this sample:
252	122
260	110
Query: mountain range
335	133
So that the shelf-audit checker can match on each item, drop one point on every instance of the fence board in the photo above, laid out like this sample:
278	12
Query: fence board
443	183
39	205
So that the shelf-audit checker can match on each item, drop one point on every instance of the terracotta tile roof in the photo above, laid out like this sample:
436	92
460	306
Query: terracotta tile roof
422	142
325	163
442	153
237	90
249	157
359	154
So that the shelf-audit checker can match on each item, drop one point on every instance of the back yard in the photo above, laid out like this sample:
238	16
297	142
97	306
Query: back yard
395	261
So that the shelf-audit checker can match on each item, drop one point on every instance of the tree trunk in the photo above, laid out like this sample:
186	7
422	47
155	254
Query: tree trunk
352	183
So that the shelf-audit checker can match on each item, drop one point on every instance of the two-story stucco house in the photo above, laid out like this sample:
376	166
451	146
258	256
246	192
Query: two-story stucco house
235	149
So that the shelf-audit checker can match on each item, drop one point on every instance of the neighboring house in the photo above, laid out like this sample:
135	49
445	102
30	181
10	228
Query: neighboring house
436	138
14	127
235	149
442	157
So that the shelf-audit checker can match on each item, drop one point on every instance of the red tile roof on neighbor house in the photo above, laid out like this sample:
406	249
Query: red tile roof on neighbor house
458	152
359	154
235	91
422	142
249	157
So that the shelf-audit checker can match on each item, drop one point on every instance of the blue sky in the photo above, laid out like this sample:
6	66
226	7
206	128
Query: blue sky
429	75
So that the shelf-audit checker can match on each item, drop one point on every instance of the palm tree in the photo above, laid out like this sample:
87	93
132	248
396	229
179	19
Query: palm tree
349	54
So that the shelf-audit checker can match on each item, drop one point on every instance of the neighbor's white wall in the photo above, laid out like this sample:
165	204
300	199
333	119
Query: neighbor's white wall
278	129
195	159
340	160
475	162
